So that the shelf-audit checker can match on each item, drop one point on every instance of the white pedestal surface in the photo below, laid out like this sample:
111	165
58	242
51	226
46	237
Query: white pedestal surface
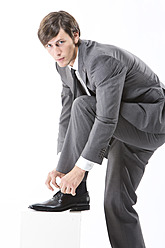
50	230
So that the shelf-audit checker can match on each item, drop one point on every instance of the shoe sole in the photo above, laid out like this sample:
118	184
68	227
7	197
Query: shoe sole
72	209
80	208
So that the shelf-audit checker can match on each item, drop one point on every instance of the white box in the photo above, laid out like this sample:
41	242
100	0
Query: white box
50	229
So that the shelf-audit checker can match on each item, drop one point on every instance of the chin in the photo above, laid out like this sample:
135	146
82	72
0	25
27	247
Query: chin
62	64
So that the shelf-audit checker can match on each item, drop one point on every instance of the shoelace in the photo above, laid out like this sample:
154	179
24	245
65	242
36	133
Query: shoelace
58	195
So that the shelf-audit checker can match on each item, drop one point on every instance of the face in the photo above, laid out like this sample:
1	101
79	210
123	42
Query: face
63	48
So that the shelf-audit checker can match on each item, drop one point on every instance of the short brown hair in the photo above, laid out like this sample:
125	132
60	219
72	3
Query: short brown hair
53	22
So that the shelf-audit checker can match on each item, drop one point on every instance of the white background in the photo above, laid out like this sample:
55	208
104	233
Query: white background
30	106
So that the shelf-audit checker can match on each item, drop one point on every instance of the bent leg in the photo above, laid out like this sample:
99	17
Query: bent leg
80	125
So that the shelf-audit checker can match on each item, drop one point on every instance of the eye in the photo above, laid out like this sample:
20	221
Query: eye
60	42
48	45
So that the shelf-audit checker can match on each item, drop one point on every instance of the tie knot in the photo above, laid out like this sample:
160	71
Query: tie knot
73	71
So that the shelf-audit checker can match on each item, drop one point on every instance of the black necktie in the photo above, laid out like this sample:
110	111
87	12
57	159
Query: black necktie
78	88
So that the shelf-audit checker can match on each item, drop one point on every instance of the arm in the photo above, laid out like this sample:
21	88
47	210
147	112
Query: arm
66	97
108	76
67	100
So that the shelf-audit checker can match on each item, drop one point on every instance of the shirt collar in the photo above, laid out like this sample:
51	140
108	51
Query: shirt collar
75	65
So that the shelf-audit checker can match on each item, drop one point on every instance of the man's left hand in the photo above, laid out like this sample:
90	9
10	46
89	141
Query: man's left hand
71	180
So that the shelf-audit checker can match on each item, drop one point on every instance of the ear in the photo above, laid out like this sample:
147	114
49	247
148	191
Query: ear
76	37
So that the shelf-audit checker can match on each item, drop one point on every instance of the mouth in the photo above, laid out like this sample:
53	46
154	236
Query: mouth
59	60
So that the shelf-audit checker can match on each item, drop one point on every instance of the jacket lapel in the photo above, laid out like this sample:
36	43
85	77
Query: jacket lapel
81	67
66	76
82	55
69	79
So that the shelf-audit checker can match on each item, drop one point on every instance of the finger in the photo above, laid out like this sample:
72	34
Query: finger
54	182
68	190
48	184
48	181
60	185
63	190
73	191
50	187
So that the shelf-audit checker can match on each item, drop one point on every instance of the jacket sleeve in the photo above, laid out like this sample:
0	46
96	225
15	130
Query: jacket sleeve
108	76
67	100
66	97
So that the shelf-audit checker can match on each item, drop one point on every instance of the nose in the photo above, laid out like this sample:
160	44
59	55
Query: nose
56	52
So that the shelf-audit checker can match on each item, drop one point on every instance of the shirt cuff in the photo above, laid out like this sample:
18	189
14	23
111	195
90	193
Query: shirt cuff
84	164
58	155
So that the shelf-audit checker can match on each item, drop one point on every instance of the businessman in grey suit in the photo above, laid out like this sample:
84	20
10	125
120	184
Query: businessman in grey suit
113	105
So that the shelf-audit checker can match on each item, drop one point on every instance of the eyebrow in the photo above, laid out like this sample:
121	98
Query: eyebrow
55	41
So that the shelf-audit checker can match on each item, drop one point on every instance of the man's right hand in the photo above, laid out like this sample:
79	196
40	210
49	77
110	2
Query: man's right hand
51	179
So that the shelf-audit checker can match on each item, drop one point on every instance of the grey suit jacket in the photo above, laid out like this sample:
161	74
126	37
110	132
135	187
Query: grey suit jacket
123	84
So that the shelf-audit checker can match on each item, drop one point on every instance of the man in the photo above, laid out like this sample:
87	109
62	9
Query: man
113	106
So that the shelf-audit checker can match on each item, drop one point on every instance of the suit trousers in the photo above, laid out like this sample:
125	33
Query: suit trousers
129	152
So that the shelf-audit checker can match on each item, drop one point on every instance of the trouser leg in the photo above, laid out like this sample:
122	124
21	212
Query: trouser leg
125	169
80	125
127	158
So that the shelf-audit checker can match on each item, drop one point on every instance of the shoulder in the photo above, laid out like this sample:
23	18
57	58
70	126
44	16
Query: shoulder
96	55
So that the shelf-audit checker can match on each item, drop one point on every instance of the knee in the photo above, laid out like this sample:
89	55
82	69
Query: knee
121	207
112	209
78	105
79	101
83	103
111	204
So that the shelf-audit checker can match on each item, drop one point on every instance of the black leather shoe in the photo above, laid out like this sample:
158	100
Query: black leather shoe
61	202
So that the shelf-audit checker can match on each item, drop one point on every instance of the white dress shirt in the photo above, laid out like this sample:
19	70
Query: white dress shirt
82	163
